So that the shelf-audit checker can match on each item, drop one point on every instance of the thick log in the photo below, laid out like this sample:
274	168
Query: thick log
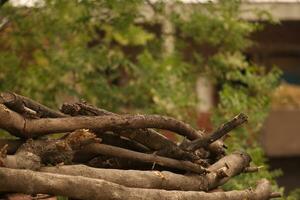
233	164
30	182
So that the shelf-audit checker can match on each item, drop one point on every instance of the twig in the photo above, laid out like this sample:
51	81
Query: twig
219	133
252	169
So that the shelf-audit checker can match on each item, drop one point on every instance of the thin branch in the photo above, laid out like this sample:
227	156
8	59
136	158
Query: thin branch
111	138
17	102
252	169
219	133
76	109
108	150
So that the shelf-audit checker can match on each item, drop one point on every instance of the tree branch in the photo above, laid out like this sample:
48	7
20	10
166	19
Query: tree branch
147	137
34	153
108	150
234	164
219	133
30	182
19	104
39	127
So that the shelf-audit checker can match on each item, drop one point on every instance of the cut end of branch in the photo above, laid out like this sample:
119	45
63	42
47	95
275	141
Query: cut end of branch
275	195
253	169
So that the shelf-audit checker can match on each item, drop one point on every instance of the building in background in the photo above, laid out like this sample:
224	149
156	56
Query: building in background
279	45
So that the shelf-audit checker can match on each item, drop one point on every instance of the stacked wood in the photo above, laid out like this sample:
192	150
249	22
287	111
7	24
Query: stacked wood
97	154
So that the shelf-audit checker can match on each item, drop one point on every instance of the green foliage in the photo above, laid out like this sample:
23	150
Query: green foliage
243	86
100	51
294	195
62	198
80	48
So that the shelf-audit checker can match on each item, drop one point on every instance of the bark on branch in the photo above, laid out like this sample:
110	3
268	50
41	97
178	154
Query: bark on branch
34	153
234	164
30	182
108	150
19	104
15	123
219	133
147	137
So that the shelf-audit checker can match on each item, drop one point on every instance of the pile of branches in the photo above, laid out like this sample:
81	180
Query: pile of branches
84	152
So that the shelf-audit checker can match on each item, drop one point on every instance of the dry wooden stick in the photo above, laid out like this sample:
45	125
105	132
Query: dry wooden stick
234	164
108	150
34	153
30	182
20	104
20	126
113	139
147	137
84	109
219	133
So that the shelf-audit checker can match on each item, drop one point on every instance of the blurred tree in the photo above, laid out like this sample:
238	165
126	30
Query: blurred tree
118	57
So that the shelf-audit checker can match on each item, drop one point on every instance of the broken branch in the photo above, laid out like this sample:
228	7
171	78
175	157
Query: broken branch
17	102
219	133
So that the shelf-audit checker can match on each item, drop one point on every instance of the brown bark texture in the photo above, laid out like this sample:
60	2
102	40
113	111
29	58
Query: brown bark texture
85	152
30	182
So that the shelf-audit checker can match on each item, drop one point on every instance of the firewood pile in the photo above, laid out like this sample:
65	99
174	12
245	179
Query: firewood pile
84	152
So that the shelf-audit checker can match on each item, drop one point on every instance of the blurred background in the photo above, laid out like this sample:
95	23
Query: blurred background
200	61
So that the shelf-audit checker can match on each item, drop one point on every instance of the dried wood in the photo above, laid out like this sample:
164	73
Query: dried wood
30	182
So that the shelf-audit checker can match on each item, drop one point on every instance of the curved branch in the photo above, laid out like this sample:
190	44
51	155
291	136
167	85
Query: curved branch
12	121
147	137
